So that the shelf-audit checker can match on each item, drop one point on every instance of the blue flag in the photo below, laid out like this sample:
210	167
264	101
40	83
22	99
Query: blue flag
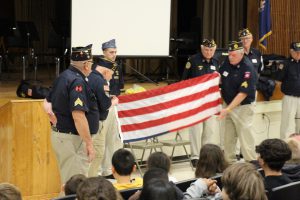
264	22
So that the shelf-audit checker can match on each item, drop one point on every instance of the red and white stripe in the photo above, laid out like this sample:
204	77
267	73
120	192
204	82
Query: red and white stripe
169	108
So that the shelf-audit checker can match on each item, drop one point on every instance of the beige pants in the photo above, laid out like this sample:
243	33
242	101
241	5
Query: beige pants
204	133
70	151
106	142
290	116
98	142
238	125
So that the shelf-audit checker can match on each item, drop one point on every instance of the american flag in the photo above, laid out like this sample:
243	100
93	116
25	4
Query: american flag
169	108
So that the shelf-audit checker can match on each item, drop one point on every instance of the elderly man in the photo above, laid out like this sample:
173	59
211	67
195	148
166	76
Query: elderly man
109	140
200	64
238	87
290	87
75	116
253	54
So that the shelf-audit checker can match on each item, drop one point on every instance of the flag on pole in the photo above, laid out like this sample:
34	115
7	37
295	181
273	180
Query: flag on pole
264	22
169	108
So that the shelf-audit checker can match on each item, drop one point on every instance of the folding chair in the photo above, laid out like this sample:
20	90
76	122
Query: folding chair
178	141
289	191
151	144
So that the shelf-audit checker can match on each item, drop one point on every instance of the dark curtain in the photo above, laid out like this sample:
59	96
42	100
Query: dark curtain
222	19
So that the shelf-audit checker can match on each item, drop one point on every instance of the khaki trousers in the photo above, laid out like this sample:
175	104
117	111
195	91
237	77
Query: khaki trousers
238	125
71	155
204	133
290	116
99	150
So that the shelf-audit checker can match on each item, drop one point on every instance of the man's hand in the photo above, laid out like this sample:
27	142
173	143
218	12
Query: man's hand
223	113
114	101
90	151
48	109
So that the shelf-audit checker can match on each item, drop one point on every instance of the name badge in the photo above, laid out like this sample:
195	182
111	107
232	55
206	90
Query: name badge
212	67
225	73
254	60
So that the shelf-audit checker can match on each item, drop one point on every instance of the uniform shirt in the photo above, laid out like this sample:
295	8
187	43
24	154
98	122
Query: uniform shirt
97	82
134	183
290	78
255	57
117	82
275	181
71	92
238	78
198	66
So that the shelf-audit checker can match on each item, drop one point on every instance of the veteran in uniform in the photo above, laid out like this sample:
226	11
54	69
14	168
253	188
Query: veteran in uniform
98	80
238	87
253	54
197	65
109	140
76	116
289	75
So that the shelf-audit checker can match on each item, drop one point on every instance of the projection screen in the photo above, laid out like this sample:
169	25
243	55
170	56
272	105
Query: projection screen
141	27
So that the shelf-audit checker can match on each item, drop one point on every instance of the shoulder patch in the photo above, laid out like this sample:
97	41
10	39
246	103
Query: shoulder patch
78	88
244	84
188	65
78	102
247	75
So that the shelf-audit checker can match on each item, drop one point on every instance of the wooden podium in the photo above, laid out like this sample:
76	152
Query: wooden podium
26	156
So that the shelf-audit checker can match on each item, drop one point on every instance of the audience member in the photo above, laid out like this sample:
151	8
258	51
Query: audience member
158	189
123	166
211	161
97	188
242	181
273	153
9	192
293	142
72	184
160	160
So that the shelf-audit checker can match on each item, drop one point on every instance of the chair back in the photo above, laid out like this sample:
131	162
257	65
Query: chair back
67	197
129	192
289	191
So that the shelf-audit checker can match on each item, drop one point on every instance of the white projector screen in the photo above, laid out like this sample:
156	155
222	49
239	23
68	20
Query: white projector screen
141	27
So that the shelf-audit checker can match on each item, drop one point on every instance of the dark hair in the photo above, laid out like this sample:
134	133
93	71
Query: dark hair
9	192
274	152
158	189
159	160
211	161
73	183
241	181
155	173
123	162
96	188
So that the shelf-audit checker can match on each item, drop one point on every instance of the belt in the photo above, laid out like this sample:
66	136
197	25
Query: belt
58	131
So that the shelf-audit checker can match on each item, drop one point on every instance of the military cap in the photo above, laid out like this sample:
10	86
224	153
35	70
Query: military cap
244	32
235	45
295	46
209	43
22	90
109	44
81	53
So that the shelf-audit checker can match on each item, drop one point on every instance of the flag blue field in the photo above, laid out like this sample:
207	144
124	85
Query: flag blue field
264	22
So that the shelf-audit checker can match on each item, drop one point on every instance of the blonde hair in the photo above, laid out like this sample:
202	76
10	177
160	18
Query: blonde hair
9	192
241	181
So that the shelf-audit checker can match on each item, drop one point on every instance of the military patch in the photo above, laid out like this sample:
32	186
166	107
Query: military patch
78	102
225	73
244	84
188	65
247	75
200	67
78	88
212	67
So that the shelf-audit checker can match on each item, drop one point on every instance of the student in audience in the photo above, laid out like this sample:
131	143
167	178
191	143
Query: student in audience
158	189
211	161
72	184
123	166
96	188
160	160
9	192
272	154
242	181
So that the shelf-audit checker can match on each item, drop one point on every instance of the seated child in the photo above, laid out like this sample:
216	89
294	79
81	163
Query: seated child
123	166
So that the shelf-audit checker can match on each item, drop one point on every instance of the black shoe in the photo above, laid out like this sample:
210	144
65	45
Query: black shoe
109	177
194	162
